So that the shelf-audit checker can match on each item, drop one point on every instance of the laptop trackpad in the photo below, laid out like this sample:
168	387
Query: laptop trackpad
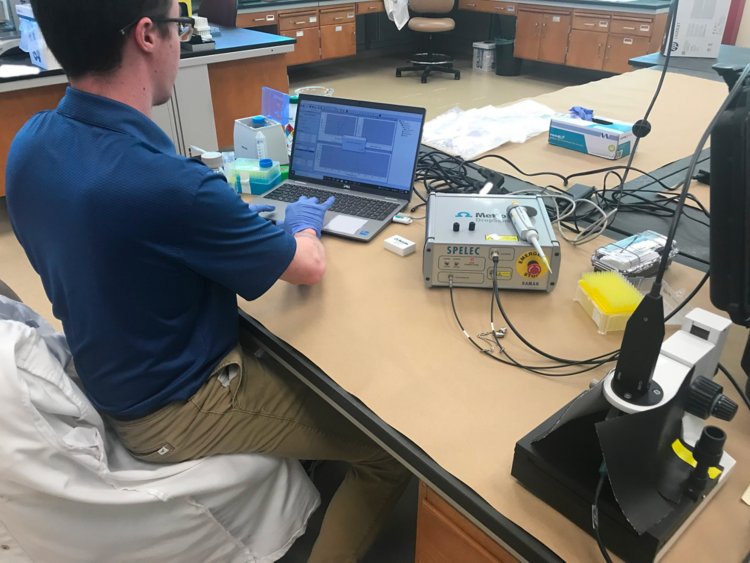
345	224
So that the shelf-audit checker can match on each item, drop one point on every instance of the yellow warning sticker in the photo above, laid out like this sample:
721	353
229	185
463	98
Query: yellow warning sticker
506	238
682	451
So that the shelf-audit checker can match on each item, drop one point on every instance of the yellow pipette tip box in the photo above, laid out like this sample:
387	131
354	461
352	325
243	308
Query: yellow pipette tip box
608	298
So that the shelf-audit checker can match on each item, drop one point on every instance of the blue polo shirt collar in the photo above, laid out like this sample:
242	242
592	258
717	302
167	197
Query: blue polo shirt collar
114	116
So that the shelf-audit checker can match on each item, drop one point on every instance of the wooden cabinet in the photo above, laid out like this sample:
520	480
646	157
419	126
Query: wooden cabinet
621	48
488	6
325	33
302	26
338	35
586	49
542	35
495	7
587	43
584	38
256	19
298	20
471	5
370	7
338	41
632	36
444	535
16	107
307	48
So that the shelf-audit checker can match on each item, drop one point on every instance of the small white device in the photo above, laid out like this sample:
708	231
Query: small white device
400	245
260	137
402	218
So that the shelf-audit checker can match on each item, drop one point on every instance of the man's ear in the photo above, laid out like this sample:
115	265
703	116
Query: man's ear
145	34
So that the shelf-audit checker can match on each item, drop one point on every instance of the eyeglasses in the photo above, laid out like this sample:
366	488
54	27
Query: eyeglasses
184	26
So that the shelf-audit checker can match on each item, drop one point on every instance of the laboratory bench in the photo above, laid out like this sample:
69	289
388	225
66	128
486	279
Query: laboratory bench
387	352
729	55
227	79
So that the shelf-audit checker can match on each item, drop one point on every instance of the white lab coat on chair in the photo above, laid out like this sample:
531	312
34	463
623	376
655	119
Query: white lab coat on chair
70	492
397	11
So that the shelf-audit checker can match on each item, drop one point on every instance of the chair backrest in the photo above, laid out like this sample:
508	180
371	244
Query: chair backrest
219	12
431	6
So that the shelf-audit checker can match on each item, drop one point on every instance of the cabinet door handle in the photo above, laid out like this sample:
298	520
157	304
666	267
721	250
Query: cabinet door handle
598	50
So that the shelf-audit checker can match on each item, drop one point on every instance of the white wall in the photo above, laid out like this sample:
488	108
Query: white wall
743	36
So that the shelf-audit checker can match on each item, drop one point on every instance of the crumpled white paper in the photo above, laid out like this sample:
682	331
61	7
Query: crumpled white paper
473	132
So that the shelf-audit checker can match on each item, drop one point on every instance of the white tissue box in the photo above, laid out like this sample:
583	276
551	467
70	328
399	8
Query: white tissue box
604	137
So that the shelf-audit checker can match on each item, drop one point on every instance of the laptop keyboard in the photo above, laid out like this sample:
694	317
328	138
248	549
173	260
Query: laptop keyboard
344	203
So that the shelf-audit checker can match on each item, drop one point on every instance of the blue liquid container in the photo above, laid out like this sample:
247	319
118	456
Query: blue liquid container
267	176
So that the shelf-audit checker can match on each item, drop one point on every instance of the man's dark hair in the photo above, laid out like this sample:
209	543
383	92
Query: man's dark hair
84	35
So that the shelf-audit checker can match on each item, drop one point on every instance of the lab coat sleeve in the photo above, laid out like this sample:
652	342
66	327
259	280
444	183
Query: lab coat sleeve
70	487
397	11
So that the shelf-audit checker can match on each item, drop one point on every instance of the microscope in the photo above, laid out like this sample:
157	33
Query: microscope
662	461
633	458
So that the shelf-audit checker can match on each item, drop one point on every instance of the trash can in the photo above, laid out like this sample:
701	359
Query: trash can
505	63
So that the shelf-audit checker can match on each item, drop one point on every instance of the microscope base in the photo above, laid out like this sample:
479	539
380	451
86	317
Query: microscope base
564	474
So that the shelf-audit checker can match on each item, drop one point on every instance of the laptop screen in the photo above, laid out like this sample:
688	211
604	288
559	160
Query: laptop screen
356	144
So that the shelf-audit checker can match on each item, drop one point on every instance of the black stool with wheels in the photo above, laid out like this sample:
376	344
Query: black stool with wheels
430	62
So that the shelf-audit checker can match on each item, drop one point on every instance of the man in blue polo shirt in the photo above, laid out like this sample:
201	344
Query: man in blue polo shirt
142	253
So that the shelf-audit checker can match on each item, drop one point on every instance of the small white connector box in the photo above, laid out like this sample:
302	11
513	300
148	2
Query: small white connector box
400	245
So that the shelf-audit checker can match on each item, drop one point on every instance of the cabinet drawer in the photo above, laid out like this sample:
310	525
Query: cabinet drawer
501	7
632	27
256	19
337	17
372	7
590	22
298	20
473	5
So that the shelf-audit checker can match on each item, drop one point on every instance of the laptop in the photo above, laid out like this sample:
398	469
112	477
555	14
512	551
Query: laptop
363	153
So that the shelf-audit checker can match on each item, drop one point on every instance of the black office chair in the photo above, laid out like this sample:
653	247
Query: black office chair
430	23
219	12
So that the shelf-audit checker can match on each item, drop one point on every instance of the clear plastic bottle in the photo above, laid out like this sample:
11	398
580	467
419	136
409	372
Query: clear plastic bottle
260	139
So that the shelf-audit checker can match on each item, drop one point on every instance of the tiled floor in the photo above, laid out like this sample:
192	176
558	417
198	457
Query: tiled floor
369	77
372	77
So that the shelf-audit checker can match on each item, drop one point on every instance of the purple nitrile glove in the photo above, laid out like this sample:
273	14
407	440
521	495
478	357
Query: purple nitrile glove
260	208
306	213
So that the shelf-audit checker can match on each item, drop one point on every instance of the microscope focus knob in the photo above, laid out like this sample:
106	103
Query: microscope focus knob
725	408
706	398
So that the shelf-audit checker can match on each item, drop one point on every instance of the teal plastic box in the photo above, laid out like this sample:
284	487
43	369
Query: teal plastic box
603	137
253	176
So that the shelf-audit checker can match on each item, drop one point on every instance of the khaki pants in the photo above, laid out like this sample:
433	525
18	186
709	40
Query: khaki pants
251	404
